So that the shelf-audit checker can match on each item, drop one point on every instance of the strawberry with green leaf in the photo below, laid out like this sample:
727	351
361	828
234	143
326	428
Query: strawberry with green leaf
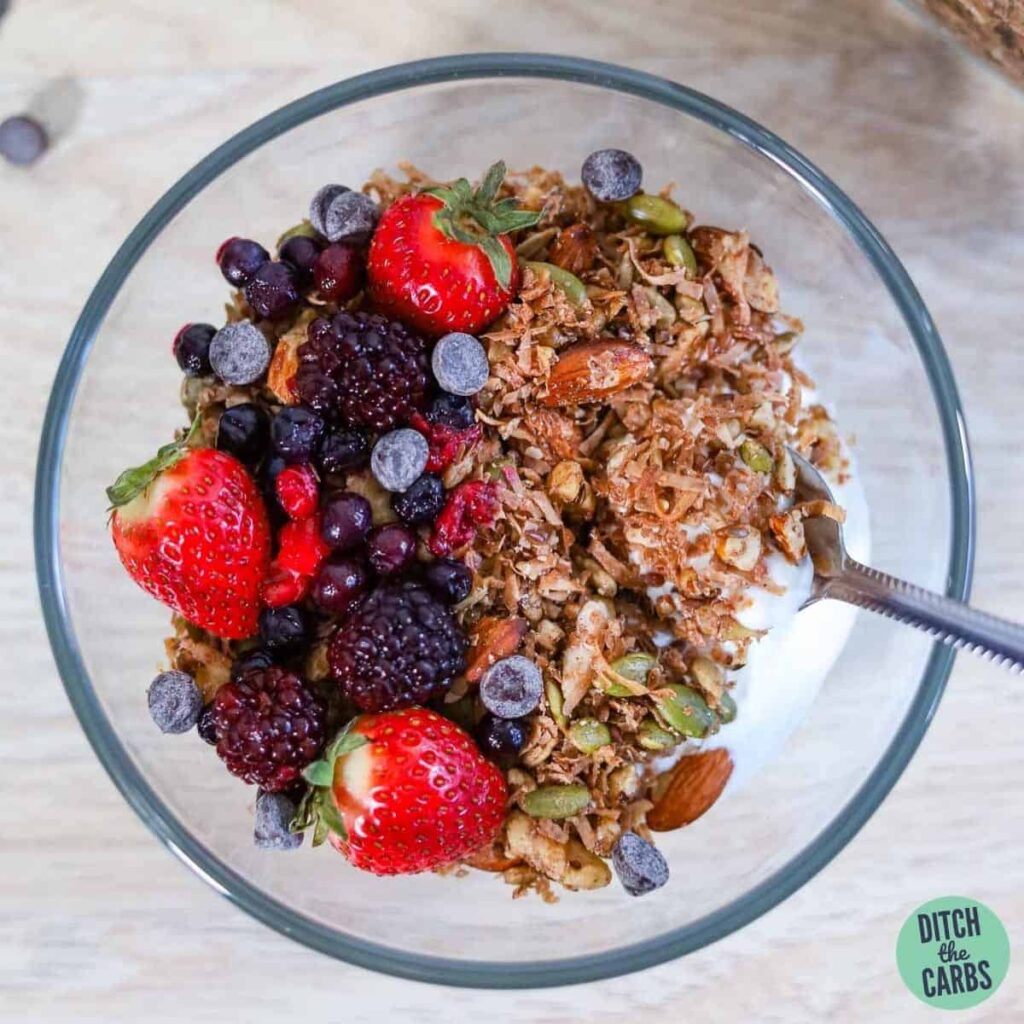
191	528
402	792
443	259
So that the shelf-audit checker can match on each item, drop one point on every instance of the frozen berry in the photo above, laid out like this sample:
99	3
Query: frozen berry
501	739
470	505
346	521
192	348
300	253
270	725
611	175
239	353
363	369
256	658
338	272
640	866
22	140
398	458
271	828
295	433
342	450
421	502
284	586
448	579
397	648
243	431
460	364
298	490
301	548
284	631
207	725
349	217
320	202
512	687
340	582
453	411
391	548
175	701
239	259
272	291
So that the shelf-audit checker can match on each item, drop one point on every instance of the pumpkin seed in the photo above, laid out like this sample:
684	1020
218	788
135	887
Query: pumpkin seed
726	708
756	456
708	675
569	284
685	711
304	228
588	735
653	213
556	702
665	310
678	252
635	667
651	736
535	244
556	801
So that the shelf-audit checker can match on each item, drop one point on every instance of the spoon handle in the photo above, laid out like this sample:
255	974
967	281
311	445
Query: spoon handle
949	621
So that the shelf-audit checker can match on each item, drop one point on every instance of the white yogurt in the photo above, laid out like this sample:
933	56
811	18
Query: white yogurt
785	669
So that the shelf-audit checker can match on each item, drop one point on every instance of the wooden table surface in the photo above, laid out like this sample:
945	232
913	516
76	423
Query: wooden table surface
99	923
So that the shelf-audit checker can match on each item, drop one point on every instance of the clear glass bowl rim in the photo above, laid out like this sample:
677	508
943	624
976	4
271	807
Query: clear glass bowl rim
144	800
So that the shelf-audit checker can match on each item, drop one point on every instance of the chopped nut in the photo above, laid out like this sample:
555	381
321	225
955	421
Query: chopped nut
788	530
739	546
565	481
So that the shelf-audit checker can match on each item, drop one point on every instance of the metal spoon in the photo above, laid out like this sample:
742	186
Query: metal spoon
841	577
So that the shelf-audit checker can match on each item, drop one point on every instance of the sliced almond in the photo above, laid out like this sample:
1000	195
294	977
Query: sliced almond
593	370
492	858
284	366
493	639
693	786
739	546
788	530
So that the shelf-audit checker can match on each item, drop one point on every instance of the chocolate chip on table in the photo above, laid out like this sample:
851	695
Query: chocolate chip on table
22	140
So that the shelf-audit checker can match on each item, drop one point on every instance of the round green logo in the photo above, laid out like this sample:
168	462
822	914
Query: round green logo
953	952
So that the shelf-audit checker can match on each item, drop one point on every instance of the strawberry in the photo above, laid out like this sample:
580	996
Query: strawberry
191	529
402	792
442	260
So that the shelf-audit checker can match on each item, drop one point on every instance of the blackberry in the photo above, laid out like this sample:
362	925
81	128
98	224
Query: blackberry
269	727
400	647
422	502
371	371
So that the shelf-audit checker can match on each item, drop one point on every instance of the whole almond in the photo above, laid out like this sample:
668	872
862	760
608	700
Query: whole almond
493	639
491	858
575	248
693	786
591	371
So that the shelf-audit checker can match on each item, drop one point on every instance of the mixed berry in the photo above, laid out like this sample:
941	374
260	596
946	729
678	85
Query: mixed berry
315	528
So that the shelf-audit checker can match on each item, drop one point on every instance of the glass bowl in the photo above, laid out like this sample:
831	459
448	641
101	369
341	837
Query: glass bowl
870	343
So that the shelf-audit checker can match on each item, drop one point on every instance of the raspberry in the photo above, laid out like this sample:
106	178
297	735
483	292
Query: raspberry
473	503
445	443
372	371
297	490
269	726
400	647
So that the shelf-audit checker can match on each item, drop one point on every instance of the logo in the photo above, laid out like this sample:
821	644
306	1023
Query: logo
953	953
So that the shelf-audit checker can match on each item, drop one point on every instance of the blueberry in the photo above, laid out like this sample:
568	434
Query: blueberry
340	582
239	259
267	479
391	548
175	701
300	253
271	831
191	348
320	202
511	688
243	431
422	502
22	140
451	411
342	449
611	175
501	739
640	866
295	433
350	217
207	725
460	364
449	580
284	631
239	353
346	521
273	291
256	658
398	458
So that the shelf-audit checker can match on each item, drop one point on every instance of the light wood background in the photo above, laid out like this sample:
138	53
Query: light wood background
98	922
